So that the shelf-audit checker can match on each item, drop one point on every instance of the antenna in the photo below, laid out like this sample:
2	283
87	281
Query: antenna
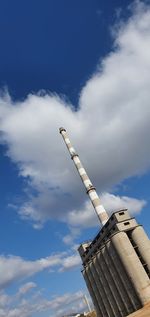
90	189
87	302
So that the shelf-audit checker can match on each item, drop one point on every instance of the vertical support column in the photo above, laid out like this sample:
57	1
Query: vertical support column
115	282
91	291
107	296
95	290
99	289
124	288
142	241
106	282
90	189
132	265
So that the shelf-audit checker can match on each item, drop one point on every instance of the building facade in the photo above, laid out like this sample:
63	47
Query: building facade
116	266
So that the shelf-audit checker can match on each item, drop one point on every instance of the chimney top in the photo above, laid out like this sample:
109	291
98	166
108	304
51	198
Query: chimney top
62	129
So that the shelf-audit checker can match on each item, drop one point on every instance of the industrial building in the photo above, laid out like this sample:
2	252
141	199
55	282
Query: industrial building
116	264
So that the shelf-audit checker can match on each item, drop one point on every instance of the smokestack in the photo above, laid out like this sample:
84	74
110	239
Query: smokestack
90	189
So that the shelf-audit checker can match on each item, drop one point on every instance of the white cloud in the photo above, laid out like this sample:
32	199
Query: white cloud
74	233
114	203
4	300
71	262
26	288
25	304
15	268
86	218
57	306
110	129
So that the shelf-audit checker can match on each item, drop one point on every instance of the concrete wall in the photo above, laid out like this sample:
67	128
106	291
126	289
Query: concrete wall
142	243
117	267
92	290
116	279
133	266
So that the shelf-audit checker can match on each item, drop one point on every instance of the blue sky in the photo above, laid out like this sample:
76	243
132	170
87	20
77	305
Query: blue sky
83	65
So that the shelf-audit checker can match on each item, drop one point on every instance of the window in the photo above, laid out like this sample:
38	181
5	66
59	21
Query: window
126	223
121	213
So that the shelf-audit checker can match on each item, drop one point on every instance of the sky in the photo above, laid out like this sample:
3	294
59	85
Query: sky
84	65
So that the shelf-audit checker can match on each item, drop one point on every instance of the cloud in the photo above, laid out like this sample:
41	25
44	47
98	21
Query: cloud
57	306
69	238
26	288
70	262
109	129
15	268
114	203
86	218
4	300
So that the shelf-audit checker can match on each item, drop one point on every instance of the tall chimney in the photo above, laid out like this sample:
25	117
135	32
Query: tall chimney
90	189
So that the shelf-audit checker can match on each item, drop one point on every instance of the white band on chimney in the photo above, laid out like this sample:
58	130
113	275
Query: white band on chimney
100	209
82	171
93	195
67	140
76	160
72	150
87	183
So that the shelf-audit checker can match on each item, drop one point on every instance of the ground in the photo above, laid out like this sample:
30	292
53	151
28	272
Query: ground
144	312
92	314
